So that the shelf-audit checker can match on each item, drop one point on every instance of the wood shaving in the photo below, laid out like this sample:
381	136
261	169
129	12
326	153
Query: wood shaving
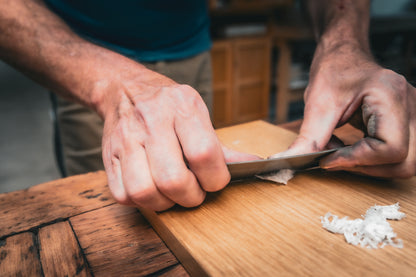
282	176
372	232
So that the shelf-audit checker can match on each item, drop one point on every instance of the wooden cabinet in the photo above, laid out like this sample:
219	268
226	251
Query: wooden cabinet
241	73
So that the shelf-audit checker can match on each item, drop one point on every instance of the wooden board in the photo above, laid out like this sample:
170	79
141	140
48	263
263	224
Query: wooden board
257	228
42	204
18	256
59	251
118	240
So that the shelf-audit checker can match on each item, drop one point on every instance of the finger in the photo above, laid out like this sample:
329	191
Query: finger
317	127
113	171
232	156
200	144
357	121
286	153
138	181
387	141
170	173
205	157
401	170
334	142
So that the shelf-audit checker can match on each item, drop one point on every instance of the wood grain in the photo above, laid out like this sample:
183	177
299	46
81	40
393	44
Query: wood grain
18	256
60	254
25	209
118	241
257	228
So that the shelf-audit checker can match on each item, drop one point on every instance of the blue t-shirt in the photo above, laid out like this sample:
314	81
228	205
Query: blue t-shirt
145	30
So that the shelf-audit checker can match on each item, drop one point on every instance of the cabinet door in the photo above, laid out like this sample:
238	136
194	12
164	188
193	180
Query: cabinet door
251	82
221	54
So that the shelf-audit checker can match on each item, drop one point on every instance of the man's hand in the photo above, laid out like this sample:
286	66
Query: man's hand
159	147
347	86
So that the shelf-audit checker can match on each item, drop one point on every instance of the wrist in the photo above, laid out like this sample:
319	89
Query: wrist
341	39
341	22
121	79
343	43
106	81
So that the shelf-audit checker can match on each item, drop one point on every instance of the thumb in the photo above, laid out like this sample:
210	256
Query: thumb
236	156
316	130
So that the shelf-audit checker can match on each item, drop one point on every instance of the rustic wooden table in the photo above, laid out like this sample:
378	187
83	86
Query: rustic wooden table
72	226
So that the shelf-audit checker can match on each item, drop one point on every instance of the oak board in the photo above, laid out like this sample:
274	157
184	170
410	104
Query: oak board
258	228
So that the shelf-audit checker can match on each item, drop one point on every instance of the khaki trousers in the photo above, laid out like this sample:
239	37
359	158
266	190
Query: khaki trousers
79	130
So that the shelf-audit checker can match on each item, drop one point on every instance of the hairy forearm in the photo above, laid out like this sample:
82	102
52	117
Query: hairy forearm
337	22
37	42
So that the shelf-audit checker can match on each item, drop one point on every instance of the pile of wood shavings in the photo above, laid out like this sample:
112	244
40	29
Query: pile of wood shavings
372	232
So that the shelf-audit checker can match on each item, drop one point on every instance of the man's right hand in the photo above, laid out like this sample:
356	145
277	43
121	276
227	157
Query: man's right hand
159	146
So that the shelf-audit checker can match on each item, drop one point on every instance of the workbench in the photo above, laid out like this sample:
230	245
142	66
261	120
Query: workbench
73	227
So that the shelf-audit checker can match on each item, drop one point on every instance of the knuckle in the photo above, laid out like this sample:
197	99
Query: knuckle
406	173
173	182
185	87
192	99
162	207
187	90
122	200
399	80
398	154
205	153
195	202
143	195
121	197
397	83
401	89
218	184
407	170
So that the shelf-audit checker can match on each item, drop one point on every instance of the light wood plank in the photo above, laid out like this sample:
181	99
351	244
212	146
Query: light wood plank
18	256
257	228
60	253
118	241
25	209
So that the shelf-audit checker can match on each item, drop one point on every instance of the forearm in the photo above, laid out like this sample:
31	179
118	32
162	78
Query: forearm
40	44
338	22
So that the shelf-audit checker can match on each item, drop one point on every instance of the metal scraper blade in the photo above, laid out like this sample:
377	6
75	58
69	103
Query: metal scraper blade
239	170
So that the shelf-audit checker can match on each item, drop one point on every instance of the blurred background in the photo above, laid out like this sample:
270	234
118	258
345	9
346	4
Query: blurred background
261	55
